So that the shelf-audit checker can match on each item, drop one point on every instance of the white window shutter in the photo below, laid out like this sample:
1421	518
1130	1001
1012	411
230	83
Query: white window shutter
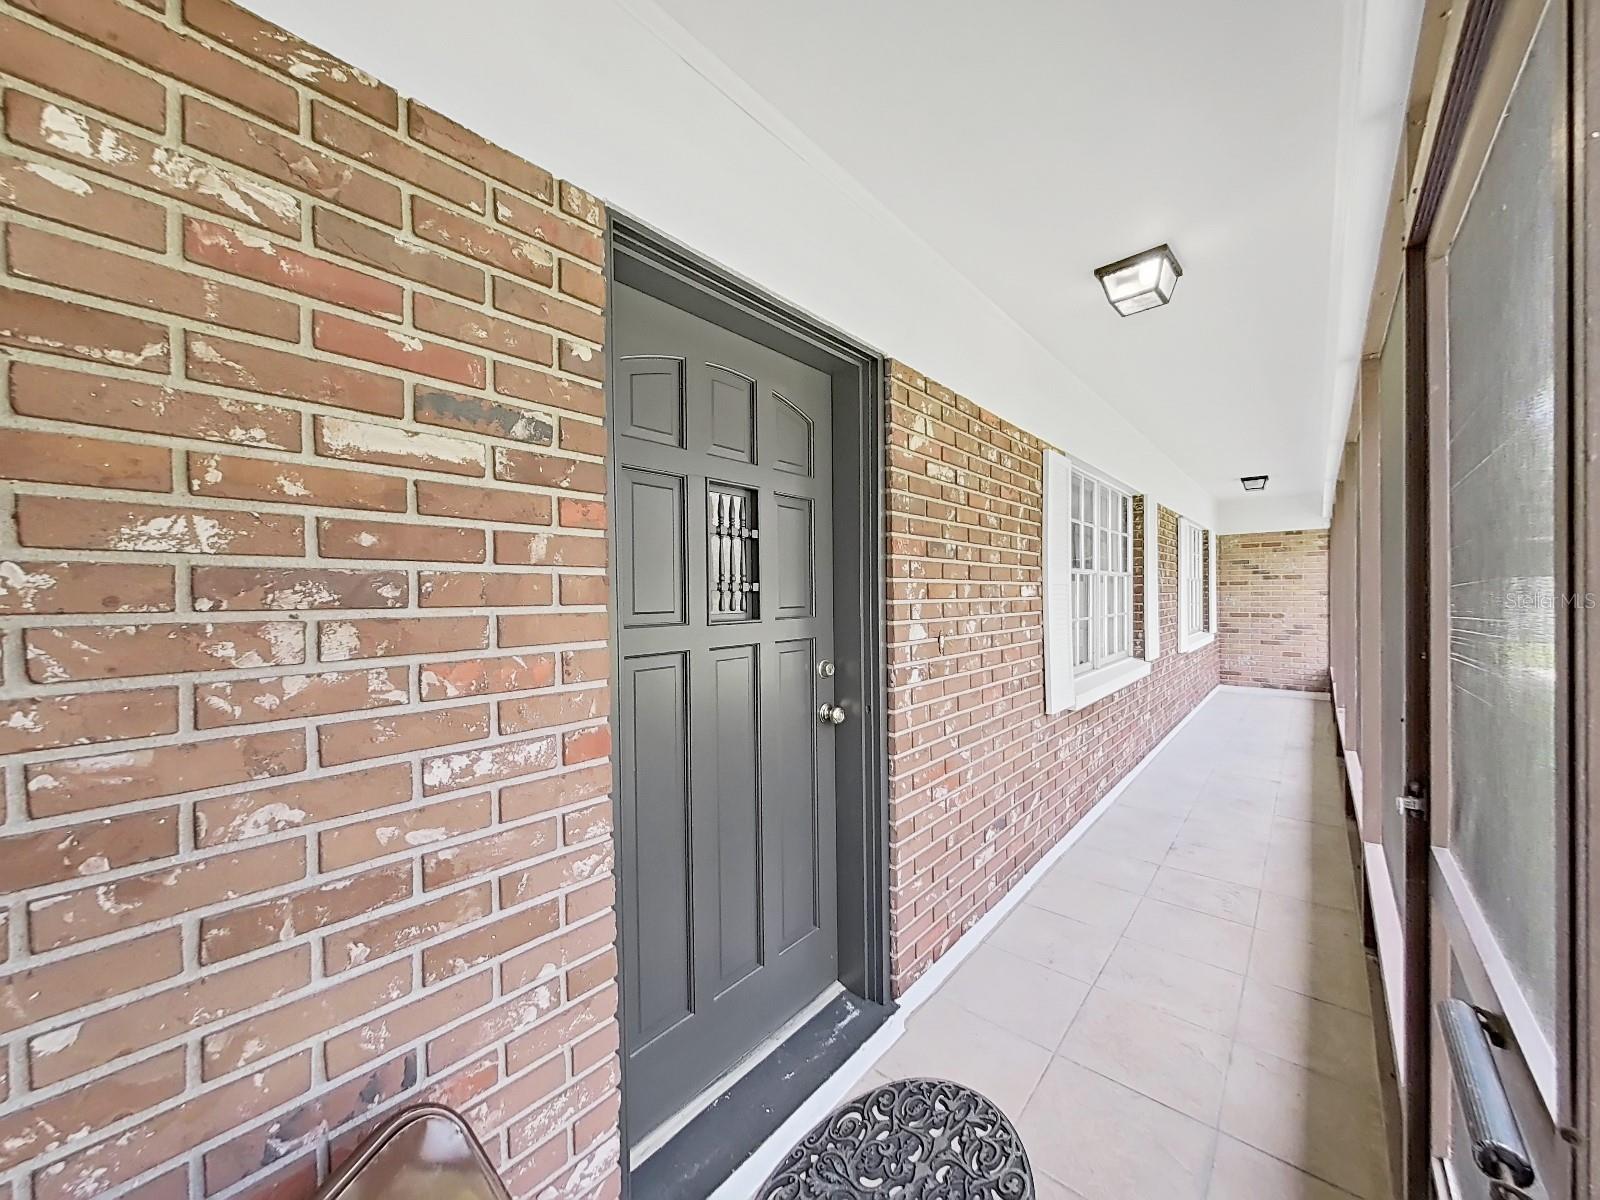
1211	578
1057	552
1184	568
1152	580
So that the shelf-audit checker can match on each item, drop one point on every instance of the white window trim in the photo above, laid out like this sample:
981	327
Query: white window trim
1152	580
1094	686
1067	690
1188	642
1057	563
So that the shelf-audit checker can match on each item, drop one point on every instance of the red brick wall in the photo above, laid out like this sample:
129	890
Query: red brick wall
302	670
982	782
1272	602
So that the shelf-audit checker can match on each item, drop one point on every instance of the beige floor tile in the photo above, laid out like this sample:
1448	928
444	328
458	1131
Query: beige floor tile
1310	1121
1309	800
869	1082
1241	774
1247	813
1181	1065
1186	755
1070	893
1242	1172
1190	757
1051	1189
1120	871
1147	845
1230	866
1231	901
1308	835
1222	831
1184	987
1328	813
1214	940
1329	857
1311	1033
1141	820
945	1041
1030	1001
1315	923
1316	763
1319	881
1219	844
1169	792
1111	1142
1183	764
1264	733
1241	778
1054	941
1336	973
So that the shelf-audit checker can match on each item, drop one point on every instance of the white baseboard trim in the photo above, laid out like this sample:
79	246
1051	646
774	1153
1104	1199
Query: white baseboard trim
930	980
1287	693
1391	946
742	1184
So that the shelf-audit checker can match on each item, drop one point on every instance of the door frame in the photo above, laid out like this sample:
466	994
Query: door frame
1448	139
1583	224
642	257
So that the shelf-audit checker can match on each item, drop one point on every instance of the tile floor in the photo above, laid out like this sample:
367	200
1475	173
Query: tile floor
1179	1009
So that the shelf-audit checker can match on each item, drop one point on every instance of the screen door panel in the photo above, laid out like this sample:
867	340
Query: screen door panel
1497	312
1502	586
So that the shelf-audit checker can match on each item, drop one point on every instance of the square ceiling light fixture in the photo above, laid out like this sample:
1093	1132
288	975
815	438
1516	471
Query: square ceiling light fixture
1145	280
1254	483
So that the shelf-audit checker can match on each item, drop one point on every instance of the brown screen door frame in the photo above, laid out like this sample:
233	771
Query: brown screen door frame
1585	342
1479	80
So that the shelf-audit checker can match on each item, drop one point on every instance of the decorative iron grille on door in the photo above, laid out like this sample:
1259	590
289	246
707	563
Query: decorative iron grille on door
731	553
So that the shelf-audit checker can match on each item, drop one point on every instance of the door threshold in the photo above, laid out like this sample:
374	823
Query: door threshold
668	1129
699	1147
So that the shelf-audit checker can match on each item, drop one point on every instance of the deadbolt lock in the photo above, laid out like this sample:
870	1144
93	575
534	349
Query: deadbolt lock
830	714
825	668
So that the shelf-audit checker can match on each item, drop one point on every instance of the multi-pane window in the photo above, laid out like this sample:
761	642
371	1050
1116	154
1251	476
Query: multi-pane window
1102	572
1194	582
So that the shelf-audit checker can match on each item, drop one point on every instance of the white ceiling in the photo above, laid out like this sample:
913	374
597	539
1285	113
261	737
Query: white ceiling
1030	147
944	176
1030	142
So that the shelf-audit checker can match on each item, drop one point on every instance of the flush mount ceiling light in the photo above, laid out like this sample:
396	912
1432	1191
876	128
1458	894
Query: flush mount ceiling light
1254	483
1144	280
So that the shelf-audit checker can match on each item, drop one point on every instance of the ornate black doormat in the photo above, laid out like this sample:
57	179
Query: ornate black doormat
916	1139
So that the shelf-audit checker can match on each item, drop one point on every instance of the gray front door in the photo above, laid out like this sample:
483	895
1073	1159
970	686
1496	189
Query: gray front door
725	614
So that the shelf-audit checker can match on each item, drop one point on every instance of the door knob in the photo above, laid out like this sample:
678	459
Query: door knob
830	714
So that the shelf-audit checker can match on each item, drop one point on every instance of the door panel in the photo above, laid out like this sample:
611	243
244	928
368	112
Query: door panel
655	727
792	562
733	414
652	400
737	813
791	439
651	568
1497	315
724	574
795	789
